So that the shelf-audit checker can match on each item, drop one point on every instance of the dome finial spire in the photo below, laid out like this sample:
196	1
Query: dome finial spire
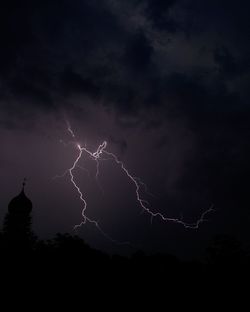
21	203
24	183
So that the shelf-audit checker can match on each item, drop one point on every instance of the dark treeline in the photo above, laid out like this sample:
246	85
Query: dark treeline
66	268
71	255
67	257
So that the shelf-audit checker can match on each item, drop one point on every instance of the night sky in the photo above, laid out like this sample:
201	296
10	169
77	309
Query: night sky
164	82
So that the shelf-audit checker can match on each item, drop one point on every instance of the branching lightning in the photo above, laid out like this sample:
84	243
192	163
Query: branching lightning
143	202
75	165
97	156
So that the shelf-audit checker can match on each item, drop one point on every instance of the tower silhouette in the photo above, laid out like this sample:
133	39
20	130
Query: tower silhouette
17	224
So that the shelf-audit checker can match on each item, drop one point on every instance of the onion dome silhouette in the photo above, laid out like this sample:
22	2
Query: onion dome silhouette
20	204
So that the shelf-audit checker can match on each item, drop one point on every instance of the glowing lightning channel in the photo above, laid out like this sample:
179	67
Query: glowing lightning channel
97	156
143	202
72	179
70	129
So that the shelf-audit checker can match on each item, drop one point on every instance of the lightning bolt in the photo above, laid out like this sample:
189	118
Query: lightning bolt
97	156
143	202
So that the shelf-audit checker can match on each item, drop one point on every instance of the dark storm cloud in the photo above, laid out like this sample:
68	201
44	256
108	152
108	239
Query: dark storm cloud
65	48
73	83
228	17
138	53
220	122
51	47
158	12
62	48
189	59
121	143
228	65
175	74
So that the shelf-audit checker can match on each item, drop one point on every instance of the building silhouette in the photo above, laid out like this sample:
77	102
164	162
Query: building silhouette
17	223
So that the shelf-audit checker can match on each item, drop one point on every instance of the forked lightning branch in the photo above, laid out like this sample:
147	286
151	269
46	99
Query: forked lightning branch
101	154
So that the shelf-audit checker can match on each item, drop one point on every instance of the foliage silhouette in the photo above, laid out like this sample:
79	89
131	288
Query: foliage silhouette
69	256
